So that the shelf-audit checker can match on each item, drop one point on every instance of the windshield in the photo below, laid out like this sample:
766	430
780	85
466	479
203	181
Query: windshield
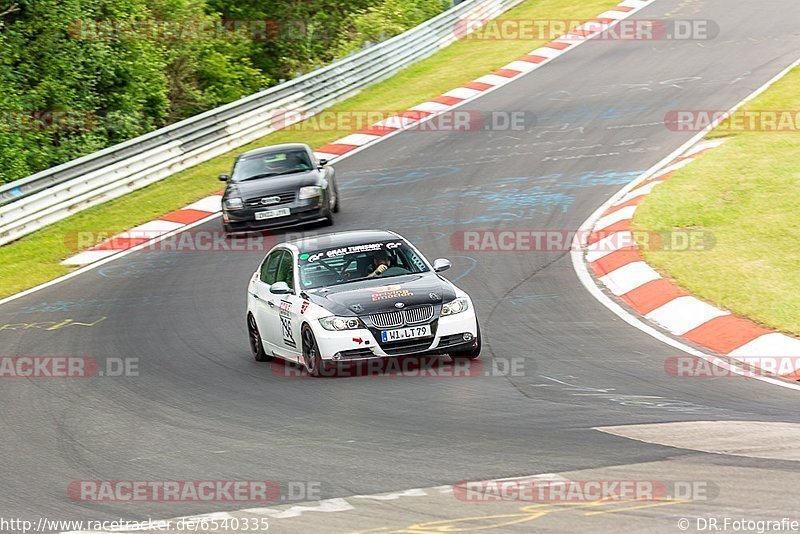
271	164
335	266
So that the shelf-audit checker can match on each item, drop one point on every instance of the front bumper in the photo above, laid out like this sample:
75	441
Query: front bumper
244	220
362	344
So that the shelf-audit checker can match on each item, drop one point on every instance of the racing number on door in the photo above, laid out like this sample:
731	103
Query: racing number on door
286	323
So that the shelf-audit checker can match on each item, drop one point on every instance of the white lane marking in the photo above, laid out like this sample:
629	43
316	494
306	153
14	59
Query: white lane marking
218	208
522	66
416	492
326	506
211	204
89	256
613	14
629	277
621	214
673	167
639	191
324	155
684	313
357	139
773	344
462	92
430	107
549	53
705	145
579	244
150	229
493	79
607	245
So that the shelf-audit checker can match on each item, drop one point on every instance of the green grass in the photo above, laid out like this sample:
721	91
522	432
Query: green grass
36	258
746	194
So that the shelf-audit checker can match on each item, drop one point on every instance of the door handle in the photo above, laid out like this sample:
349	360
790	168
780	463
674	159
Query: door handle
271	304
255	296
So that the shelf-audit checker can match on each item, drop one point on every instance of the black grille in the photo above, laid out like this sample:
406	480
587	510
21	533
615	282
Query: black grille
278	199
393	319
356	354
407	347
449	341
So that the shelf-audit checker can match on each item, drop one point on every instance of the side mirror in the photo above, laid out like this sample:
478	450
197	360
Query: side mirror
323	162
223	177
441	264
280	288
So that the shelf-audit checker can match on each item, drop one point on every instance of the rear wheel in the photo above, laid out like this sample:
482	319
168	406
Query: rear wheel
256	346
311	356
469	354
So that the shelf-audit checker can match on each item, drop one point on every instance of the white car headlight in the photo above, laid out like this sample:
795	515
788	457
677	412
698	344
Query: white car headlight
455	306
310	191
234	203
340	323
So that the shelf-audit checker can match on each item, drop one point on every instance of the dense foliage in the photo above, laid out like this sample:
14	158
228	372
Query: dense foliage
79	75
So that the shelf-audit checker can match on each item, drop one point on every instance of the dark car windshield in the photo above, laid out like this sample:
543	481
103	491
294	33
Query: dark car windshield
334	266
271	164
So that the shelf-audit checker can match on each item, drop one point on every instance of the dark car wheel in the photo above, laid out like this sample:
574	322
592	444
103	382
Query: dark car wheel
256	347
470	354
311	356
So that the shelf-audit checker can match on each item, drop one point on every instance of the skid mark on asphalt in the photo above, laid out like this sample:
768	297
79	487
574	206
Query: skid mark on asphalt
648	402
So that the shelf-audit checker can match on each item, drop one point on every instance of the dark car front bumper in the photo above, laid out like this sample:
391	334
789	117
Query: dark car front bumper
244	220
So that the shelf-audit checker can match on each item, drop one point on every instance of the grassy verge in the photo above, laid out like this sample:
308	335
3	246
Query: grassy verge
745	194
36	258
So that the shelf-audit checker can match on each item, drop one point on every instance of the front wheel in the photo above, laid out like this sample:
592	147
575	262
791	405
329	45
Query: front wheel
256	346
469	354
311	356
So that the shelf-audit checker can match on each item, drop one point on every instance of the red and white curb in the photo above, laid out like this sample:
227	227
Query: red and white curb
148	231
378	131
615	260
456	97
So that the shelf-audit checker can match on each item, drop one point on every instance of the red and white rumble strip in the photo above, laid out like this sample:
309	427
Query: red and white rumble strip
414	116
614	259
143	233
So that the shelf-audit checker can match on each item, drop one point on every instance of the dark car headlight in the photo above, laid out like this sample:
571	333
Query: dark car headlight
234	203
311	191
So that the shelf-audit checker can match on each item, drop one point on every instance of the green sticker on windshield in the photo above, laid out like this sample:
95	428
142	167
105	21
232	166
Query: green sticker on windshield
303	256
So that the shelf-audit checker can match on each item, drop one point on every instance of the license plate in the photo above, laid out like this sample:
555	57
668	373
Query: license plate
405	333
271	214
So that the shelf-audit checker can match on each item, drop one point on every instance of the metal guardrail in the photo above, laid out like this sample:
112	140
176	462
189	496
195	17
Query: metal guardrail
36	201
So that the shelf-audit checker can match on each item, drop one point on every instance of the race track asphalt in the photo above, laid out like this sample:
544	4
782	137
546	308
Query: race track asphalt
201	408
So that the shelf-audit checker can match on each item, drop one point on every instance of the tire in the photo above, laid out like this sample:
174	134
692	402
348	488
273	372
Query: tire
256	346
469	354
311	356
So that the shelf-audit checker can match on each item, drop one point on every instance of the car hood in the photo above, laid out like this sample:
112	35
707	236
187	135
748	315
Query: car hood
272	184
372	296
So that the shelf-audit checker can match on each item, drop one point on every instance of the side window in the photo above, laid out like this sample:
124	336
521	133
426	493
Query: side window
286	270
269	268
